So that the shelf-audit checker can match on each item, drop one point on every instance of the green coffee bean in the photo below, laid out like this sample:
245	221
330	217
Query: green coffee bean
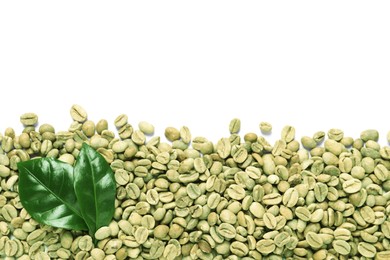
148	222
236	192
317	216
240	155
313	239
272	199
120	121
120	146
342	234
288	133
370	134
381	172
124	131
133	190
223	148
382	255
185	134
281	239
234	126
102	233
10	248
279	146
142	207
85	243
146	127
341	246
9	212
320	191
67	158
366	249
333	146
138	137
269	220
193	191
66	239
308	142
4	171
228	217
141	235
352	185
319	136
35	236
335	134
290	197
265	127
227	230
88	128
101	125
152	197
265	246
78	113
112	246
161	231
63	253
269	164
29	119
368	214
257	209
172	134
303	213
205	246
239	249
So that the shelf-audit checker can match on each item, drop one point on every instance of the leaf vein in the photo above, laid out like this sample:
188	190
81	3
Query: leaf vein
53	193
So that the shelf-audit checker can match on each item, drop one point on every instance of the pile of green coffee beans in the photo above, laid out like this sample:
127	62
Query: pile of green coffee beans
193	199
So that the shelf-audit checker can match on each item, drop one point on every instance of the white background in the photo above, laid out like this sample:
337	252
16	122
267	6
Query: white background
312	64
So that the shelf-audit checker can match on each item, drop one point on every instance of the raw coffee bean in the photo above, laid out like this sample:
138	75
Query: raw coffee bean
227	230
303	213
290	197
185	134
382	255
141	235
102	233
101	125
370	134
265	246
78	113
335	134
366	249
172	134
120	121
85	243
88	128
265	127
234	126
352	185
308	142
314	240
146	127
29	119
319	137
288	133
239	249
161	231
341	246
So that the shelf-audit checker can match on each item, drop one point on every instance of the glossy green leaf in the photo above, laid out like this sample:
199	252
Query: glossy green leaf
95	188
47	193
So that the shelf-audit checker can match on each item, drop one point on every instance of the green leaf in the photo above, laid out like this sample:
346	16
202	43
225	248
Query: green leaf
95	188
46	191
